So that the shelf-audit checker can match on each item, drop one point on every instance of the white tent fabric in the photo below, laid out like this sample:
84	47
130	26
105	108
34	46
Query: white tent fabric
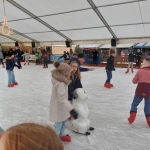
125	45
76	19
90	46
106	46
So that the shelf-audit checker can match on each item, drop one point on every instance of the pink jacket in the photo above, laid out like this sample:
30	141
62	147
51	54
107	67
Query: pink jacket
142	77
60	107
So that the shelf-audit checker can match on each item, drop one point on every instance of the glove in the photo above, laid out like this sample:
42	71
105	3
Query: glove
107	71
74	114
18	67
114	69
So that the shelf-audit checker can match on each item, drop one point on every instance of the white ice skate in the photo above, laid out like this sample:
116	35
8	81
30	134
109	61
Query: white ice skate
82	124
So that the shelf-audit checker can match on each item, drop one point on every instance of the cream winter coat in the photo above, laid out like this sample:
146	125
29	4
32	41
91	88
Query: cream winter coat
60	107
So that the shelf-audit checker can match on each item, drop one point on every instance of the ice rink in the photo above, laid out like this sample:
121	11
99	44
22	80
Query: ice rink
109	108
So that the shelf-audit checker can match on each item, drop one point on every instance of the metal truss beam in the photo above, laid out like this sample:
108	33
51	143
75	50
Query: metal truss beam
37	18
102	18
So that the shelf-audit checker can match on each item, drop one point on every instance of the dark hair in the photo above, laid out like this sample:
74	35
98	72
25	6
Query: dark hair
81	55
112	52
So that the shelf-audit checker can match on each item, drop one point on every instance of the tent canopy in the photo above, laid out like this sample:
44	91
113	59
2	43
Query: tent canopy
57	20
140	45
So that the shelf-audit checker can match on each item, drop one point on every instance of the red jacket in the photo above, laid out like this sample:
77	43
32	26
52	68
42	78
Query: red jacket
44	55
142	77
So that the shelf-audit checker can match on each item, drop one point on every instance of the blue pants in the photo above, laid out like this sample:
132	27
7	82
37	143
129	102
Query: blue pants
11	77
136	101
59	128
109	76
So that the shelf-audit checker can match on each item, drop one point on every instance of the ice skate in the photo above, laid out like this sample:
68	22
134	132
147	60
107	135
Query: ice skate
127	71
66	138
148	120
132	117
11	85
24	64
107	85
111	85
132	71
15	83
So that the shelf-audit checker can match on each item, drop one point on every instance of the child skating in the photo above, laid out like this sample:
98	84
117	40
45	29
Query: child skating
75	80
26	55
131	61
37	58
109	69
60	107
10	64
142	78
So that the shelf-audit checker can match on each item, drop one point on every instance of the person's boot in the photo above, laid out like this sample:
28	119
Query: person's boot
24	64
132	117
66	138
127	71
107	85
148	120
132	70
111	85
11	85
15	83
28	63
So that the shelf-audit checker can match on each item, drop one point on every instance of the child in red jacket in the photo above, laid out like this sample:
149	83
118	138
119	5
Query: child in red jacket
142	78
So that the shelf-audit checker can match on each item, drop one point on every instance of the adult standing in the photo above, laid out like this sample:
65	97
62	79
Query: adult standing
80	60
138	58
95	53
101	58
71	54
1	57
18	56
65	56
44	56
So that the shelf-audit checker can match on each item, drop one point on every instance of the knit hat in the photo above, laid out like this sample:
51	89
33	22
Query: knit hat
62	68
146	62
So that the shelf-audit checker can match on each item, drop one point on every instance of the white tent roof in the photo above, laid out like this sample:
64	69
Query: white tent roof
57	20
125	45
106	46
90	46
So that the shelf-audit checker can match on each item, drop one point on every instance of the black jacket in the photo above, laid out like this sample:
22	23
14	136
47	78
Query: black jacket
65	56
76	83
110	63
138	55
10	64
81	69
131	57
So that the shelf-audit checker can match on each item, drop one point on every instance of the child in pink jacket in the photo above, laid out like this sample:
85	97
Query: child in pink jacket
60	107
142	78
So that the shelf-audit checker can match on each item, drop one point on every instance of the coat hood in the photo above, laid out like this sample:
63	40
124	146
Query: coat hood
59	77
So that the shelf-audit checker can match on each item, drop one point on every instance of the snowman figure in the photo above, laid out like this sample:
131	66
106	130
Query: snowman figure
82	124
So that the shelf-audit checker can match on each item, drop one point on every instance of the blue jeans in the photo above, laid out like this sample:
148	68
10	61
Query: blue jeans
59	128
109	76
136	101
11	77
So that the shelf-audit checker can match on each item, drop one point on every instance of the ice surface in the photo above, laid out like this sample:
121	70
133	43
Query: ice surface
109	108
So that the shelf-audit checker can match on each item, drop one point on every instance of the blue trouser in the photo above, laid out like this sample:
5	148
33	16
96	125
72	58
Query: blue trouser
59	128
109	76
11	77
136	102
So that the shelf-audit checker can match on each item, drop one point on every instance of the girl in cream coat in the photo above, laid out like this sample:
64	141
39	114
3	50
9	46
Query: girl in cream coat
60	107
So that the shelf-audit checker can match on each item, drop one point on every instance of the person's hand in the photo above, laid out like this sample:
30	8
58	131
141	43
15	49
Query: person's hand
114	69
107	71
91	69
74	114
75	95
